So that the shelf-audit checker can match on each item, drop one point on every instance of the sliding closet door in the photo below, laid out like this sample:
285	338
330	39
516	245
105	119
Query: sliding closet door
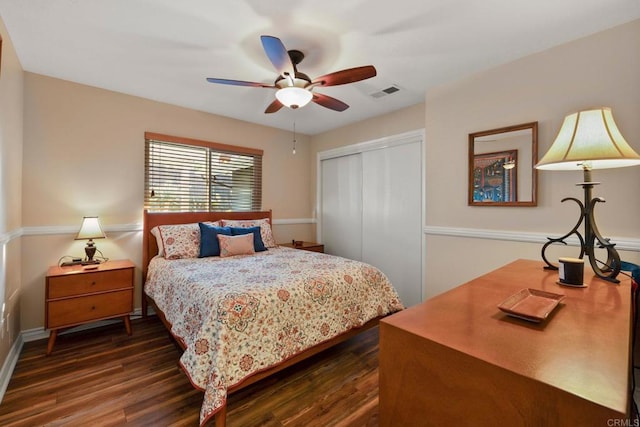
392	216
341	210
371	207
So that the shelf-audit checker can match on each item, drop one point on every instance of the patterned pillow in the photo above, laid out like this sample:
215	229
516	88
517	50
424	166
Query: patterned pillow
236	245
264	224
181	239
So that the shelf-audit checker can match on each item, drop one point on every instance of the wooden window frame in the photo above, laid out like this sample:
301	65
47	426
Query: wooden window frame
182	199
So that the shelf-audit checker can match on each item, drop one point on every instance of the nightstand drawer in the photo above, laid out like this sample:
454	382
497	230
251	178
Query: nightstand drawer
72	311
80	284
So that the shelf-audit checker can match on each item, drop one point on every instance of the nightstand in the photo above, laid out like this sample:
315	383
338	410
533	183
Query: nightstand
306	246
78	295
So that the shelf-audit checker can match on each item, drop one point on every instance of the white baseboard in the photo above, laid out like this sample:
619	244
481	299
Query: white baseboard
41	333
9	364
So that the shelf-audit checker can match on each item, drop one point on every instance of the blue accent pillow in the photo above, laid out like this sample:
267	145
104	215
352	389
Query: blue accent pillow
209	245
258	244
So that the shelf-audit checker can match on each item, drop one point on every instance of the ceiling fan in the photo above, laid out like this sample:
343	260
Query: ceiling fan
295	89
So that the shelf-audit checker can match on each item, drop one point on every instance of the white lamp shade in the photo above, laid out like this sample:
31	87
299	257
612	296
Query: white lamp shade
90	229
589	139
294	97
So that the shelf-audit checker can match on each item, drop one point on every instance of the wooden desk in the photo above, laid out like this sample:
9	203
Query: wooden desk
457	360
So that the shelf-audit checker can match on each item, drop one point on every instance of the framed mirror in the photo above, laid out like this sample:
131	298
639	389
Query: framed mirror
501	166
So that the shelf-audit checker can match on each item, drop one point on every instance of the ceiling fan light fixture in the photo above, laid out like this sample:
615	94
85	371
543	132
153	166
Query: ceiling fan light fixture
294	97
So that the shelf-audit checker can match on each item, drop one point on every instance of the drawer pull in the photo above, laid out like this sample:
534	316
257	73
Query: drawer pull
93	283
93	307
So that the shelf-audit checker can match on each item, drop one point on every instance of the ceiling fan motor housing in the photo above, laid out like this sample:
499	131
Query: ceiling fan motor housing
300	80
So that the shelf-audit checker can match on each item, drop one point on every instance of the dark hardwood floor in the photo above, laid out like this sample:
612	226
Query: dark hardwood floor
103	377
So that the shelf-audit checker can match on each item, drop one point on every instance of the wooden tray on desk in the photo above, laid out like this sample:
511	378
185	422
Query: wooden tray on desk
530	304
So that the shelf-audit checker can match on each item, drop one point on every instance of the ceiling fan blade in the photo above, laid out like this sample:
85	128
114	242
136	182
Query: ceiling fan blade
329	102
237	82
278	55
273	107
350	75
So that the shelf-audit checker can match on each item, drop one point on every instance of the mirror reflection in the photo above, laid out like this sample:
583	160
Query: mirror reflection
501	166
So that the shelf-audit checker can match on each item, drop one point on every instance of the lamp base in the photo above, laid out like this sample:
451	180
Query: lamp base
591	236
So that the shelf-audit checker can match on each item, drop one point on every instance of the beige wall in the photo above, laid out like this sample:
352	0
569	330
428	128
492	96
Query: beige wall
600	70
404	120
11	116
84	155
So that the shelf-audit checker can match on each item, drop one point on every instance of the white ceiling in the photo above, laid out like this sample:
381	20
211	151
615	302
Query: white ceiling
164	49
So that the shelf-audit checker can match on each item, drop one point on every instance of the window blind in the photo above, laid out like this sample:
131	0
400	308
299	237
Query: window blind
189	175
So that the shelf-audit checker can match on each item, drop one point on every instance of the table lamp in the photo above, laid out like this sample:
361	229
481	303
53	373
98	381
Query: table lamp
90	229
589	140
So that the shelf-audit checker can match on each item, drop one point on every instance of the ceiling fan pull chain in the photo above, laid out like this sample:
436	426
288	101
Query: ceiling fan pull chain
294	136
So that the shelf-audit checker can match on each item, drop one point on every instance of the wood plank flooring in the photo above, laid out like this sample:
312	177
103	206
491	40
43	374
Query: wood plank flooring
103	377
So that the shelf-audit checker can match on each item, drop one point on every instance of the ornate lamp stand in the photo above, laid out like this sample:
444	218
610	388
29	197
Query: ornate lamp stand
591	234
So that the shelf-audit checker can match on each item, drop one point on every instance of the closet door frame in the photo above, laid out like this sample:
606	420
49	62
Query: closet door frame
361	147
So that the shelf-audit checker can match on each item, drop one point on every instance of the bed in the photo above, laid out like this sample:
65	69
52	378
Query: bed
243	315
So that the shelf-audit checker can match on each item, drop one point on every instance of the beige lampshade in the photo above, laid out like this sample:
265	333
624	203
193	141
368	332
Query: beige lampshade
589	139
90	229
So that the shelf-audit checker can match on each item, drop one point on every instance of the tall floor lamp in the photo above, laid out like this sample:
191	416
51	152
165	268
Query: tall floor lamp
589	140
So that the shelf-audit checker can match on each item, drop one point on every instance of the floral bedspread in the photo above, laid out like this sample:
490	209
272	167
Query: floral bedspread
240	315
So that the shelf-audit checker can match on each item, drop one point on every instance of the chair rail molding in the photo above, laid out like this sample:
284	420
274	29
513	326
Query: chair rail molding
119	228
622	243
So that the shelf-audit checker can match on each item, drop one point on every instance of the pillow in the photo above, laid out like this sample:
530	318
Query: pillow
180	240
235	245
264	224
182	246
258	244
209	245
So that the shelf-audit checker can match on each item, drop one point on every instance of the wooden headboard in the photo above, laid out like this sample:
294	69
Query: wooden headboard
153	219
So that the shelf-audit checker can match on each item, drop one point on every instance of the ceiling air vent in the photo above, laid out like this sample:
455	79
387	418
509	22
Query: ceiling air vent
384	92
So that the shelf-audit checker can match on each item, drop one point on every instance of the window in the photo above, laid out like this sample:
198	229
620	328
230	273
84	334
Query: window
188	175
